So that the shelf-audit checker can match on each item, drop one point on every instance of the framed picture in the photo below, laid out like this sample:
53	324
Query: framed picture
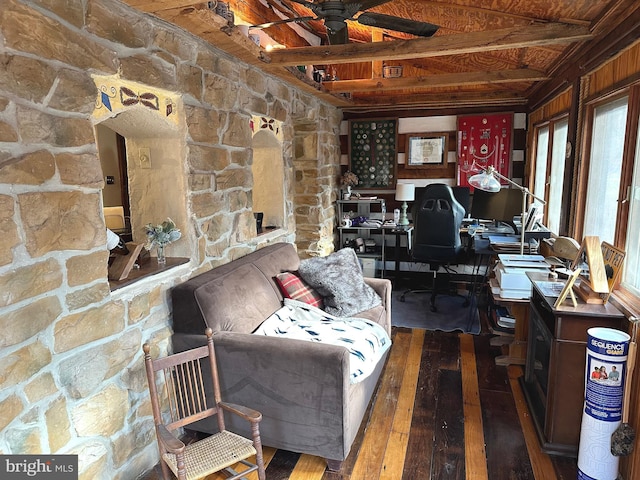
426	149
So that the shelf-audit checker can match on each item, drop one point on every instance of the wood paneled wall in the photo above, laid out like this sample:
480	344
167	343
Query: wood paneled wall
618	72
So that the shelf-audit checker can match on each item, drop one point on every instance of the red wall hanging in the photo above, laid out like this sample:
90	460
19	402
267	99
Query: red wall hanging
484	140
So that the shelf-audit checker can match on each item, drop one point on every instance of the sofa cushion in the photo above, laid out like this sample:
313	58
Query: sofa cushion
214	298
338	278
237	301
293	287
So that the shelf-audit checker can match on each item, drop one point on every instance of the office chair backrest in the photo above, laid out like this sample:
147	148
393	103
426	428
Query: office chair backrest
461	194
437	217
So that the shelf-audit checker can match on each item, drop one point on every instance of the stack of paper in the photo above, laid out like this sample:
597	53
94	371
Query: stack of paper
511	274
507	244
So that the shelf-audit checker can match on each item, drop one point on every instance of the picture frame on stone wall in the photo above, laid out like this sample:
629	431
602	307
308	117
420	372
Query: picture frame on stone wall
426	149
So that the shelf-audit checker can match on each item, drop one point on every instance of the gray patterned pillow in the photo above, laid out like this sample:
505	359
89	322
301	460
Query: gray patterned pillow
338	278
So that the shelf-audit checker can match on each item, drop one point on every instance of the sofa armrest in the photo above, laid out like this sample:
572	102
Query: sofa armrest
382	287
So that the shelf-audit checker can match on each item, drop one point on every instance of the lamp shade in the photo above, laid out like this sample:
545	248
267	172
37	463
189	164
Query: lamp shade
405	192
485	181
112	239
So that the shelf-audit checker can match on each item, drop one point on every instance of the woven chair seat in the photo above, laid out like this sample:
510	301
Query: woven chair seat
212	454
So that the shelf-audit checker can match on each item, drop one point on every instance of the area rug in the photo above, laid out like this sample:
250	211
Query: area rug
415	312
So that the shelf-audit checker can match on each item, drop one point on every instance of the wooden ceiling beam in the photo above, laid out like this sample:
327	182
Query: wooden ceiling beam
514	37
436	100
431	81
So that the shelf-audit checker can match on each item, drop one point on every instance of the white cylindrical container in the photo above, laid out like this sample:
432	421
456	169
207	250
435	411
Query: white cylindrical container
396	216
605	372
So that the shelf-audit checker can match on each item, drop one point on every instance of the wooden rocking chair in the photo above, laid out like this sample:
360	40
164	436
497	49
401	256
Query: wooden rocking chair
180	379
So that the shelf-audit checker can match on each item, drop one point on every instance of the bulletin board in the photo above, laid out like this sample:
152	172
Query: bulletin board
484	140
373	152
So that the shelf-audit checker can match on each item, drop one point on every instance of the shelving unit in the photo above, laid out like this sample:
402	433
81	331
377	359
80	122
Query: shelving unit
371	209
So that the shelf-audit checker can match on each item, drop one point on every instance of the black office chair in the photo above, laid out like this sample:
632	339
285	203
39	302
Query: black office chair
437	217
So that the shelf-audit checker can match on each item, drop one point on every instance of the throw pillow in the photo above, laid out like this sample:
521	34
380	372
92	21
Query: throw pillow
292	286
338	278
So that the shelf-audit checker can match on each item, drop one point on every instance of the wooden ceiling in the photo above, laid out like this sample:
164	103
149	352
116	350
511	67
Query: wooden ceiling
486	53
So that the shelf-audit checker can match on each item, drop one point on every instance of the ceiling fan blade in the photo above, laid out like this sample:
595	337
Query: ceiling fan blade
339	37
316	8
286	20
422	29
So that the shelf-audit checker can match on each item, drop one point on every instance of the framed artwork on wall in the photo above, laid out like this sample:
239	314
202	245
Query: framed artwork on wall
373	152
483	141
426	149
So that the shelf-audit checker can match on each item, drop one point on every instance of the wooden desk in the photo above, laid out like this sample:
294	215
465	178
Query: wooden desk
554	379
517	345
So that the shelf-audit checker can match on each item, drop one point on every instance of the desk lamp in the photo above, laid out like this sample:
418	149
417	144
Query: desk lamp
405	192
487	180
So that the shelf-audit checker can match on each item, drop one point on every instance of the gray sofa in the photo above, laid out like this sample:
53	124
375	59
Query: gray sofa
302	388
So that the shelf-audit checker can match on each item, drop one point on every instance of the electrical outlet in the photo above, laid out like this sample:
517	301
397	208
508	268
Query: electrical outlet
144	158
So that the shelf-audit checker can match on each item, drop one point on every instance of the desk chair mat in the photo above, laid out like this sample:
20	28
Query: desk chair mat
414	312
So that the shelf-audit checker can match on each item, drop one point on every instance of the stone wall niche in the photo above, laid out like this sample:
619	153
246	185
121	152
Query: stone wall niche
155	152
268	179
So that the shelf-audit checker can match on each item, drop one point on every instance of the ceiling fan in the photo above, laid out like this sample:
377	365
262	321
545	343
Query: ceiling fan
335	13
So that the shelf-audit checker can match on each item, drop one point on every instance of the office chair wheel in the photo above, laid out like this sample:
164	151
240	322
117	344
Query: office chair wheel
401	298
433	308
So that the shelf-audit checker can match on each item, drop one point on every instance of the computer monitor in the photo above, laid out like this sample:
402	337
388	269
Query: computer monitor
461	194
500	206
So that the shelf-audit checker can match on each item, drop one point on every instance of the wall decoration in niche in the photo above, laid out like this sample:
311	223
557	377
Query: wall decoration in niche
484	140
372	152
426	149
116	95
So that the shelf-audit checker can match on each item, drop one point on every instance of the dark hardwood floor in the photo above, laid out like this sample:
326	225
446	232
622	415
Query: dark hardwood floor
442	410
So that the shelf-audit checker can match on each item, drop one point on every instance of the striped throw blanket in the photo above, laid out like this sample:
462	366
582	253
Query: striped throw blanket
365	340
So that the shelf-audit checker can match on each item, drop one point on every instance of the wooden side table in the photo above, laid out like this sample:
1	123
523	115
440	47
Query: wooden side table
517	353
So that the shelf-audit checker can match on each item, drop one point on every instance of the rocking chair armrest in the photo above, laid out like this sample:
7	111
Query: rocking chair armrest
247	413
169	440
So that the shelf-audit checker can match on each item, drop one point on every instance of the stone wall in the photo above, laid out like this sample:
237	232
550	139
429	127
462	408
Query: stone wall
71	376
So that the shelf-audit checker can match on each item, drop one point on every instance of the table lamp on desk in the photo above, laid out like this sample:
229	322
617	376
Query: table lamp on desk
487	180
405	192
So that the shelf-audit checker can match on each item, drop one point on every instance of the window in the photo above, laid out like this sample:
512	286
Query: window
605	167
551	141
556	177
631	273
542	146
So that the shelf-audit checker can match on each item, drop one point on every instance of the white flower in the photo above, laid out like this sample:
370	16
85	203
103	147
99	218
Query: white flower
162	234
